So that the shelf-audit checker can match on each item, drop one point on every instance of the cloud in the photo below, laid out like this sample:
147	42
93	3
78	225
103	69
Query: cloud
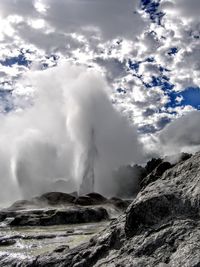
18	7
113	19
109	19
183	134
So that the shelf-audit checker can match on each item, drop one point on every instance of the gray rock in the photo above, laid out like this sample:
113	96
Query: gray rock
61	216
120	203
56	198
84	201
7	241
160	228
155	174
47	199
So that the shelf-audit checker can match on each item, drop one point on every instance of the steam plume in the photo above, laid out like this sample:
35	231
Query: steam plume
58	137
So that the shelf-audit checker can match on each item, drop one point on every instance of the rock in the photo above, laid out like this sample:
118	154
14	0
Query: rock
56	198
98	198
7	241
152	164
21	204
60	216
84	201
161	227
47	199
90	199
3	216
155	211
74	194
61	249
119	203
184	156
70	231
155	174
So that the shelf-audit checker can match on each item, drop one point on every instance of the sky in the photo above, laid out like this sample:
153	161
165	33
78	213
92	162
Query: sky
148	50
146	56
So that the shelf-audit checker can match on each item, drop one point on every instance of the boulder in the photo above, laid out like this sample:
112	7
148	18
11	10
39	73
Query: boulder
55	198
84	201
98	198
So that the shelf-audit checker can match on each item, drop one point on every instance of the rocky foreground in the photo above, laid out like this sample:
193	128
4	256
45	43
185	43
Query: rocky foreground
57	208
160	228
53	222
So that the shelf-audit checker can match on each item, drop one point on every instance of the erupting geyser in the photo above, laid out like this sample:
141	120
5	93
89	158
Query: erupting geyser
88	182
70	114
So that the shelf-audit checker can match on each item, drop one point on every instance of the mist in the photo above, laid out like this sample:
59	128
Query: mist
181	135
48	142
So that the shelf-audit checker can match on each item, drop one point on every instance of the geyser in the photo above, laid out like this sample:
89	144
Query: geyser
71	132
88	180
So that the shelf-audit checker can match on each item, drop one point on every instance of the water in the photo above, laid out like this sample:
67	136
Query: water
34	241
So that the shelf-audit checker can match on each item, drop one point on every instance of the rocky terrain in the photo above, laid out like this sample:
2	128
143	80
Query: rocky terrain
58	208
161	227
54	221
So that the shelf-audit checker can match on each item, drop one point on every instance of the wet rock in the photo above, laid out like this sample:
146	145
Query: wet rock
61	249
39	237
60	216
7	241
70	231
2	216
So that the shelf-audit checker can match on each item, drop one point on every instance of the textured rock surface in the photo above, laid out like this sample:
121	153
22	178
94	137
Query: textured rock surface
57	208
59	199
161	228
60	216
155	174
